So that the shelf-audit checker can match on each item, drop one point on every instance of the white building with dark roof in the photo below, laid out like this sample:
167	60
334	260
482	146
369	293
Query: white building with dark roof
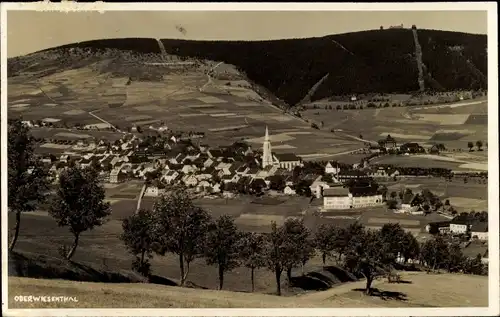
479	230
338	197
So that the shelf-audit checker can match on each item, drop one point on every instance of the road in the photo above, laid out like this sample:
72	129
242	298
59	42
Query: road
209	78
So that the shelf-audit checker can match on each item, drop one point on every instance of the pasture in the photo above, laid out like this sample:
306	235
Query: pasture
75	96
464	197
458	161
451	124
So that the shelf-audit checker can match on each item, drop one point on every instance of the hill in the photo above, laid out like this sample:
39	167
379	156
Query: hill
419	290
376	61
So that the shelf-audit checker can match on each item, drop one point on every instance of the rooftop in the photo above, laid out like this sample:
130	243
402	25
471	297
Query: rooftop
286	157
337	191
479	227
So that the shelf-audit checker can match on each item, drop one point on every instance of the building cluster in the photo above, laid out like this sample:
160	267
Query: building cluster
176	160
476	229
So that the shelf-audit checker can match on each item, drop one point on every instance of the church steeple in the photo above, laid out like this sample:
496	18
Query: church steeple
267	157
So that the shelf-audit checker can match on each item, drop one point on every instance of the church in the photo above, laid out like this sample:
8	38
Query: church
282	160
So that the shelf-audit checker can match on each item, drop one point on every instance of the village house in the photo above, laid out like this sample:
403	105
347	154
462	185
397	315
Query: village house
64	158
242	170
188	169
317	187
479	230
190	180
443	227
388	143
170	176
332	168
289	190
152	191
459	226
210	162
410	203
115	176
203	186
382	172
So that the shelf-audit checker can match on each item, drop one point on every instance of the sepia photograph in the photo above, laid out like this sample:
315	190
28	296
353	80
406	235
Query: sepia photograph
173	156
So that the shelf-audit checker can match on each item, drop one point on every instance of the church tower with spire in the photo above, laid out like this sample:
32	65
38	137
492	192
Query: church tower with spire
267	156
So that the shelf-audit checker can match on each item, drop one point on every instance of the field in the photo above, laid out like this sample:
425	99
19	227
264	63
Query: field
464	161
179	101
451	124
420	290
463	196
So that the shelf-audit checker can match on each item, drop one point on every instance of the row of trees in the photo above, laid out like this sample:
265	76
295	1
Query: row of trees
175	225
479	145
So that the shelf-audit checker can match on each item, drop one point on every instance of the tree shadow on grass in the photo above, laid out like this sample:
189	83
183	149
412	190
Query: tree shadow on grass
385	295
156	279
39	266
404	282
323	279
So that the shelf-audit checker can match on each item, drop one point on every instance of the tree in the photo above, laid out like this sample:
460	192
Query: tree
434	252
324	239
221	247
470	145
479	145
303	188
367	255
392	204
383	190
79	203
138	237
251	246
392	235
28	180
393	195
343	236
327	178
275	256
410	247
181	228
277	182
455	259
297	245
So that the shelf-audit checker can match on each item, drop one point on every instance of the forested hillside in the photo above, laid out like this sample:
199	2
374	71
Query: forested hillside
381	61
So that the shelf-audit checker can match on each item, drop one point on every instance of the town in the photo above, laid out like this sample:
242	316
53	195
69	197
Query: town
164	159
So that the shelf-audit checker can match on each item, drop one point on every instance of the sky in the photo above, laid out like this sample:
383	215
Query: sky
31	31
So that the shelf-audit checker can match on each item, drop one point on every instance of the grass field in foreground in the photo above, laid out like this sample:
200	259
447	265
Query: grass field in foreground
420	290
